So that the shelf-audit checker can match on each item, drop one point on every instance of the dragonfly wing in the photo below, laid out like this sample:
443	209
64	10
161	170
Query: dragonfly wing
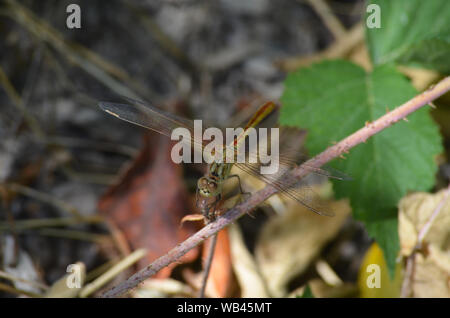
135	116
292	159
152	118
288	186
161	115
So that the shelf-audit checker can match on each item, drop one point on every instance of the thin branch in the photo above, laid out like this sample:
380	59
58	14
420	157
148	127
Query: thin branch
19	104
113	272
75	235
208	262
44	197
376	126
23	225
92	63
339	48
14	278
331	21
330	153
16	291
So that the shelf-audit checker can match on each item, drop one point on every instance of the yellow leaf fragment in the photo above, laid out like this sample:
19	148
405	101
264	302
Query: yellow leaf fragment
373	277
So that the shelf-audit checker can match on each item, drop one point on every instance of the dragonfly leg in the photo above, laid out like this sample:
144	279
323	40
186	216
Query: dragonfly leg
212	209
240	185
196	197
242	191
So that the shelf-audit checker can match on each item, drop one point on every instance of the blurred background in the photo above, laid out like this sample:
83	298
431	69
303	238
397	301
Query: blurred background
77	185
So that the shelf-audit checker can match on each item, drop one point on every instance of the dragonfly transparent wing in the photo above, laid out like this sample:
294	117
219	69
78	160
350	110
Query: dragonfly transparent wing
293	159
152	118
289	186
281	180
147	116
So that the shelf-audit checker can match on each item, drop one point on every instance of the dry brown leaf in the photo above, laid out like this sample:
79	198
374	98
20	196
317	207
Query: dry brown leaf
149	203
431	276
415	210
288	243
166	287
247	274
421	78
431	280
320	289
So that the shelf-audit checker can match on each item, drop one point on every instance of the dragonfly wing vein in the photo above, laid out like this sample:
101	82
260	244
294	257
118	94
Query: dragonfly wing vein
290	187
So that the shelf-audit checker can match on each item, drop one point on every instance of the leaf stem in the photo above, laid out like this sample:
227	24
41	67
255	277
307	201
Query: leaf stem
257	198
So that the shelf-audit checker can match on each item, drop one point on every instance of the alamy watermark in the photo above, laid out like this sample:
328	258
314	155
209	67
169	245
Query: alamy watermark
74	279
374	278
73	20
373	20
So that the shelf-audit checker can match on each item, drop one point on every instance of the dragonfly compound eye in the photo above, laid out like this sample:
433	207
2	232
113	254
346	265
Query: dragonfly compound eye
212	187
202	183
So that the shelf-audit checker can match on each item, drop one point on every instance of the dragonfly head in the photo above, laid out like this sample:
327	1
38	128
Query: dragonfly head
208	187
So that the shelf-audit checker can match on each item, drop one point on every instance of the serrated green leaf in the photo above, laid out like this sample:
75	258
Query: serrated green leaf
385	230
334	99
431	53
412	32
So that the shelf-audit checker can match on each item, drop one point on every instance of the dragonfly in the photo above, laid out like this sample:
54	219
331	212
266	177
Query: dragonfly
210	186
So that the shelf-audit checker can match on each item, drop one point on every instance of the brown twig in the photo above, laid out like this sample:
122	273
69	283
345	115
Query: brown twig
339	48
105	72
164	41
36	223
331	21
208	262
16	291
14	278
330	153
44	197
113	272
19	104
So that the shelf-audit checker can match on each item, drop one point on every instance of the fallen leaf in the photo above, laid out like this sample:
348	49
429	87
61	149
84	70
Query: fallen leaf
167	287
431	271
289	242
415	210
149	202
320	289
430	279
247	274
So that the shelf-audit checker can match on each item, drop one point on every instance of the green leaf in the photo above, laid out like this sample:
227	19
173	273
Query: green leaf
307	293
430	53
385	231
414	32
334	99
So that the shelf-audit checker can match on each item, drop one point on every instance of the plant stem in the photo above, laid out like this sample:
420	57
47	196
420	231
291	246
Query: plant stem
208	262
257	198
